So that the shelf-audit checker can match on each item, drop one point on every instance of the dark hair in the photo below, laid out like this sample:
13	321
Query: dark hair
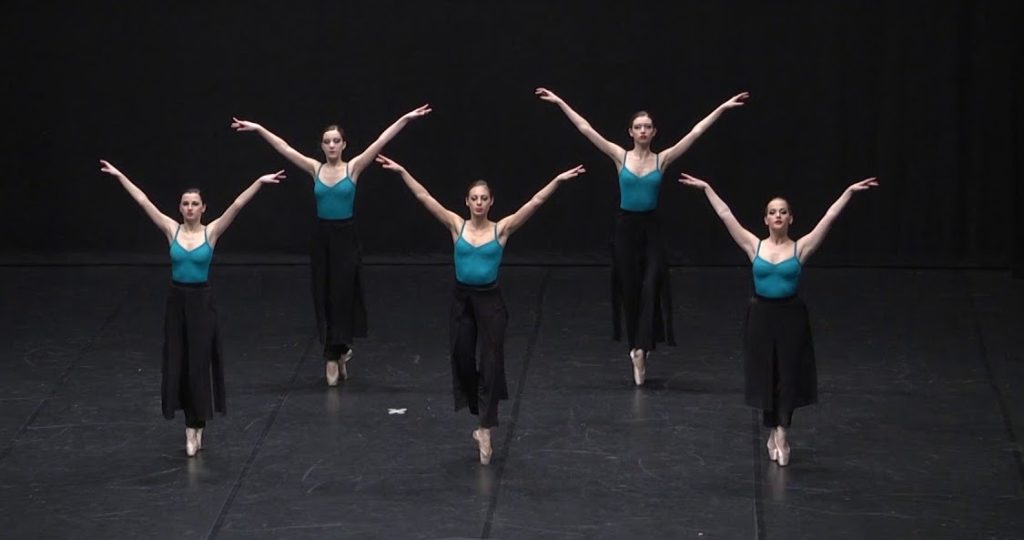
480	183
638	114
194	190
783	199
333	127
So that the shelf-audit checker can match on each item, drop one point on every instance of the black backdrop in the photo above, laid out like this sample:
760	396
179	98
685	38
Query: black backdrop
924	95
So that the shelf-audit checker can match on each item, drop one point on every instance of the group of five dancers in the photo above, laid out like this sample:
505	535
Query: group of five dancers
779	364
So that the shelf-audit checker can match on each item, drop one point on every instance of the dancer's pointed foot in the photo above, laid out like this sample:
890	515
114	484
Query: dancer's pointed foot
332	372
639	358
782	446
343	365
482	437
191	447
773	451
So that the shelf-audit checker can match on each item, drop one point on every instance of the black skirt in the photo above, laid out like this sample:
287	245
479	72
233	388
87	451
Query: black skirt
478	314
193	367
641	288
780	369
336	262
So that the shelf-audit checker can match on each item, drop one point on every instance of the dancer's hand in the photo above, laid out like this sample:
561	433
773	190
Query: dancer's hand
110	169
547	95
692	181
244	125
417	112
272	178
866	183
738	100
571	173
389	164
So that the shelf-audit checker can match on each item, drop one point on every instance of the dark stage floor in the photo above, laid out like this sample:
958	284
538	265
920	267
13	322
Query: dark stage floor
917	434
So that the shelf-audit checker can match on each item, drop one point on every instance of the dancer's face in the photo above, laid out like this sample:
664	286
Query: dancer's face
192	207
777	216
479	201
332	144
642	130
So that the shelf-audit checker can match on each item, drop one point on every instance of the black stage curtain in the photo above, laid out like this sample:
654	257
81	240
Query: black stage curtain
919	93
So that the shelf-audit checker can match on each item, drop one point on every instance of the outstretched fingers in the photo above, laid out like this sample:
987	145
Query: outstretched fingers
273	178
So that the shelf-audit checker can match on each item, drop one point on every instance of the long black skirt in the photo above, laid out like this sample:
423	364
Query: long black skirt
336	262
781	374
641	291
193	367
478	382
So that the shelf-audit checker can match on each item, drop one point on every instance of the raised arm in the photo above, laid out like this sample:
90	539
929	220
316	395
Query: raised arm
359	163
218	226
162	221
671	154
303	162
610	149
810	242
743	238
449	219
511	224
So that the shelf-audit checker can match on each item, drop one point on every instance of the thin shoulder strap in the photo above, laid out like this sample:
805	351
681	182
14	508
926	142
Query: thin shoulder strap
205	239
346	169
495	231
758	252
318	170
175	239
463	228
657	162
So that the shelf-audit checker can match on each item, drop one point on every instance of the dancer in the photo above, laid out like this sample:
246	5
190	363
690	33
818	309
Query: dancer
193	364
478	309
779	352
336	258
640	279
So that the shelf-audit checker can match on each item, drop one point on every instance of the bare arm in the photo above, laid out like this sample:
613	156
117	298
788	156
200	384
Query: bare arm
609	148
162	221
743	238
220	225
810	242
449	219
671	154
359	163
511	224
303	162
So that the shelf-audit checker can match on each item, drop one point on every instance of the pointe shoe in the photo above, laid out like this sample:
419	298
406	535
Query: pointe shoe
639	369
343	365
199	439
483	440
190	442
782	449
773	450
332	373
